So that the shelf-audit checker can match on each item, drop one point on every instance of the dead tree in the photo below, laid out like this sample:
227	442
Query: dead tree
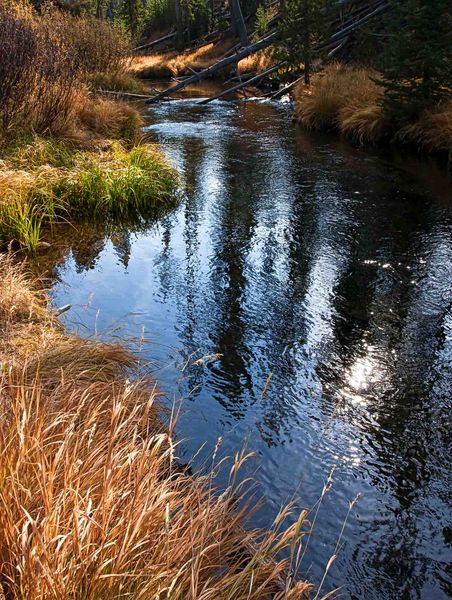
237	22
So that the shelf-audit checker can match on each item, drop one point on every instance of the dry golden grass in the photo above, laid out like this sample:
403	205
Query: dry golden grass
257	62
345	98
108	118
433	130
173	64
93	504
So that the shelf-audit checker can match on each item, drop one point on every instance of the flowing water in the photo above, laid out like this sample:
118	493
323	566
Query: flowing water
321	275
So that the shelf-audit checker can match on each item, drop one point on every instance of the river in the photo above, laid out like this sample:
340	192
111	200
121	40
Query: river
319	276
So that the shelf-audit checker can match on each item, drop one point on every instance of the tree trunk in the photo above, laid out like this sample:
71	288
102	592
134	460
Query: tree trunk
133	17
100	9
228	60
179	25
237	22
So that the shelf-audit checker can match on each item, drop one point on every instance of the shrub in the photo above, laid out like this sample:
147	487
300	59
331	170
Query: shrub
37	73
97	46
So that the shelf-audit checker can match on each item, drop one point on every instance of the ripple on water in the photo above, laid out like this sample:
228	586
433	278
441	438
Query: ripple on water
322	277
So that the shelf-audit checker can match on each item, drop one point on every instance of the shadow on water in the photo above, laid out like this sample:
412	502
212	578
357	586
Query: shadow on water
329	268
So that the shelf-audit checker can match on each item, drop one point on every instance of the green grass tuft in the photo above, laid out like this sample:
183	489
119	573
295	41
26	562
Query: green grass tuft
114	184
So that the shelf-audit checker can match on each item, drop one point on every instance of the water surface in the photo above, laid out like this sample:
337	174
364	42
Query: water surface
322	275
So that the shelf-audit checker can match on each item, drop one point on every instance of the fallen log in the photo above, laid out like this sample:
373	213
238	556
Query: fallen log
164	38
263	43
286	88
356	24
124	94
243	84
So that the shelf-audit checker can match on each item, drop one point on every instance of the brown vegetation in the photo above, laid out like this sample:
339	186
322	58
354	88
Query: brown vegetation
48	61
92	502
257	62
173	64
346	98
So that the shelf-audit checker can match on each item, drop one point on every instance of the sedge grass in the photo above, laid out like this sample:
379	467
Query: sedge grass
347	99
341	97
92	502
109	184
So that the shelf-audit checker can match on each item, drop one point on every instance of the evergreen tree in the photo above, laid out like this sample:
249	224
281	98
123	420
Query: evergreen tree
303	25
417	62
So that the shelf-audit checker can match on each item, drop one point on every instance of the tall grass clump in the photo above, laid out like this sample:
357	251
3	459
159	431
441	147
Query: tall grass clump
342	97
432	131
117	183
347	99
93	504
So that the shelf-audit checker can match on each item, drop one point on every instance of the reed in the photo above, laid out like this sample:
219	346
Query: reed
93	503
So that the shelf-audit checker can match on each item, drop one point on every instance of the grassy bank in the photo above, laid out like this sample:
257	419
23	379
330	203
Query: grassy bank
67	154
346	99
92	502
174	64
47	182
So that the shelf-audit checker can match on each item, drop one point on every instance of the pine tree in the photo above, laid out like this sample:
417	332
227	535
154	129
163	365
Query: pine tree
417	62
303	25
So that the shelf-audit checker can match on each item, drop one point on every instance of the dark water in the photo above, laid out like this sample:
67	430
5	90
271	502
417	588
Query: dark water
329	269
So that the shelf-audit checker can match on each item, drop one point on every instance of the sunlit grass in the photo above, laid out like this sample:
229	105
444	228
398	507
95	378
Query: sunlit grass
173	64
60	184
258	62
93	503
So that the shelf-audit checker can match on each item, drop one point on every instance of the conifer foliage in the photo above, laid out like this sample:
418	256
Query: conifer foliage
303	25
417	62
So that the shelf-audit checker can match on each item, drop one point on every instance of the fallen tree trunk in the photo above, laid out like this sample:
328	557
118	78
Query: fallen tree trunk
289	86
335	39
264	43
243	84
166	37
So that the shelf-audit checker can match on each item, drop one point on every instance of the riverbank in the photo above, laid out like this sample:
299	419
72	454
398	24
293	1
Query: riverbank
165	65
49	181
66	153
92	501
345	99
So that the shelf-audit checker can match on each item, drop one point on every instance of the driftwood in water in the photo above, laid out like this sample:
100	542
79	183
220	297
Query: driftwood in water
229	60
122	94
128	96
246	83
